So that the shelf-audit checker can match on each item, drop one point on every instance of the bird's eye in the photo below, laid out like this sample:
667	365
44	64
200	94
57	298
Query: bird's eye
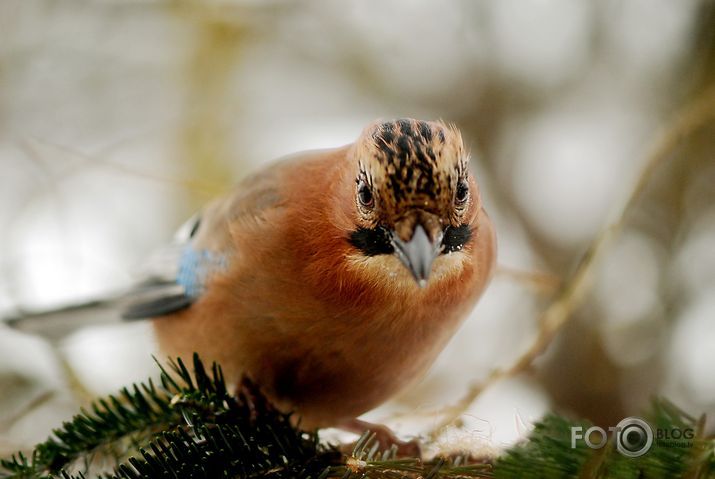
365	195
462	194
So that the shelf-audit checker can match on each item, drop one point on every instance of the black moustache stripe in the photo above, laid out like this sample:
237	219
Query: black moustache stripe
377	241
455	238
372	241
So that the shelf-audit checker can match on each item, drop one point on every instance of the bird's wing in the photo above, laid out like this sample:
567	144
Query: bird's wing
203	247
177	275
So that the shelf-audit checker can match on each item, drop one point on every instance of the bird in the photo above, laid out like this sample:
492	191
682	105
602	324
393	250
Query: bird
331	278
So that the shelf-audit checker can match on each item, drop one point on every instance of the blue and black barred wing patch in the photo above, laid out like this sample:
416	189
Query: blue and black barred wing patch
160	296
165	303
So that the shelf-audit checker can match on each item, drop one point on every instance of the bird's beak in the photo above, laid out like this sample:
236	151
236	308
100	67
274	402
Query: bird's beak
418	253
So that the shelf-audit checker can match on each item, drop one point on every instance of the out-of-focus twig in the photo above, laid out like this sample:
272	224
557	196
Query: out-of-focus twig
544	283
82	160
687	121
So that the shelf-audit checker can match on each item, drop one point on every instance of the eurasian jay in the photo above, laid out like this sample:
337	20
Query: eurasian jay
331	278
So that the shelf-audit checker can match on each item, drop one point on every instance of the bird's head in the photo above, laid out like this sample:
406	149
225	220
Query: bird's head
414	198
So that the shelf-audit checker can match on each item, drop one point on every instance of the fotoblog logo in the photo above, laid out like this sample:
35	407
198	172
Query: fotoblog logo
633	436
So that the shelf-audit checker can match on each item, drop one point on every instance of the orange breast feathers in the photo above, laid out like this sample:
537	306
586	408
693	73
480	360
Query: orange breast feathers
349	270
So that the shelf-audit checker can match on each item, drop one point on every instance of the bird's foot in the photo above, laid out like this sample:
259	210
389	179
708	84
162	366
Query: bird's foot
384	437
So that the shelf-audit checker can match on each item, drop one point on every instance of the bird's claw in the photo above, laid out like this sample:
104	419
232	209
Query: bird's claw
384	437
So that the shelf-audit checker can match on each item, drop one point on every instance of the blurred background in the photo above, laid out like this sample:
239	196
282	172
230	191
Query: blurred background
119	119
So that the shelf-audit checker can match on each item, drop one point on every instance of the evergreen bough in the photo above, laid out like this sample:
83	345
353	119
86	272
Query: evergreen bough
190	426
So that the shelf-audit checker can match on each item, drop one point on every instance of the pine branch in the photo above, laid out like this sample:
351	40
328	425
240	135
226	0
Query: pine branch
117	423
135	414
548	454
190	426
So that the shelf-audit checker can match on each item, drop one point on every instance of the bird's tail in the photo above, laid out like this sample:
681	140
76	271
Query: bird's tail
56	323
